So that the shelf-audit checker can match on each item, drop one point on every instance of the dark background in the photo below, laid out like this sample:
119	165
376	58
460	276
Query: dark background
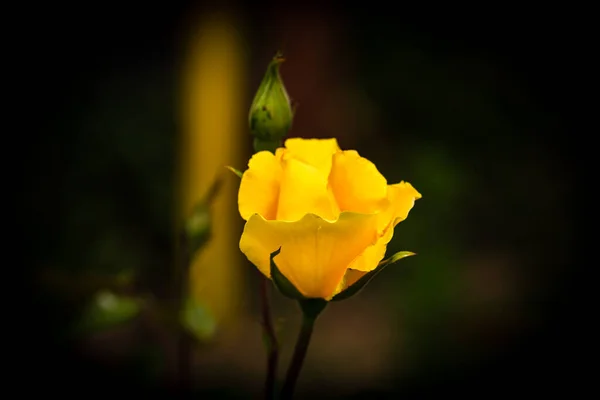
470	109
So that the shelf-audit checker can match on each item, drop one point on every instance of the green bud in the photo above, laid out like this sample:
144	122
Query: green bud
271	112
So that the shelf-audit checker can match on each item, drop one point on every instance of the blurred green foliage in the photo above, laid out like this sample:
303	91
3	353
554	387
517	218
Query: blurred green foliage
198	321
106	311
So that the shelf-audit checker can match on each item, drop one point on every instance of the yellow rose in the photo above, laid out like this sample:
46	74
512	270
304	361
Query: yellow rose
330	211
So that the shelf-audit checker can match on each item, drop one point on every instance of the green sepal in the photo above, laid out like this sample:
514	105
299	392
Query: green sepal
266	145
281	282
362	282
311	308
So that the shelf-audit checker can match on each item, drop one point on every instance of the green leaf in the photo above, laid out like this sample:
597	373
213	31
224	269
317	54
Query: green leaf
235	171
362	282
198	225
281	282
198	321
397	257
108	310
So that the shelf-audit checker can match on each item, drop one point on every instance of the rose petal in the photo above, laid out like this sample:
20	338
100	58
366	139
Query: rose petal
304	190
349	279
315	152
260	185
401	198
315	253
357	184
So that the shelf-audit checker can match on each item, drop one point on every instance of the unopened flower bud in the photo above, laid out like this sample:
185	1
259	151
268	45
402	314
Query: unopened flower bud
271	113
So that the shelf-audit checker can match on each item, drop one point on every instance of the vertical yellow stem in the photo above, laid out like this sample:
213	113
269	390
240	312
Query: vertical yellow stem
214	132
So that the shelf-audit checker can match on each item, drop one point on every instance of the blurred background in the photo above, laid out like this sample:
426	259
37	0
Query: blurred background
143	107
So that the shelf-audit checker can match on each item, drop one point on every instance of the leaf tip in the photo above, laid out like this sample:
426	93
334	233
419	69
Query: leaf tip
398	256
235	171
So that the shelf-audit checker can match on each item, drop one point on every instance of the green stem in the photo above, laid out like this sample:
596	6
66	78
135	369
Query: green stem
272	343
265	306
298	358
183	354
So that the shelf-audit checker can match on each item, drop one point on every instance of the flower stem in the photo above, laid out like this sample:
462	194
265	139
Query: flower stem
183	355
298	358
272	344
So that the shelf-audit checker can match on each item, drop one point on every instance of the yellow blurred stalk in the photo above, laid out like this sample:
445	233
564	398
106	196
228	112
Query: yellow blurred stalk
214	132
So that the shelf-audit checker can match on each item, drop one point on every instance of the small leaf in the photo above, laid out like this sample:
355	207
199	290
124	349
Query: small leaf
235	171
362	282
281	282
108	310
198	227
397	257
198	321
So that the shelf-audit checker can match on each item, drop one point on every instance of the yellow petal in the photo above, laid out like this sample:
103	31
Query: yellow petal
315	152
402	198
370	258
304	190
314	253
356	183
349	279
352	276
259	188
340	286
